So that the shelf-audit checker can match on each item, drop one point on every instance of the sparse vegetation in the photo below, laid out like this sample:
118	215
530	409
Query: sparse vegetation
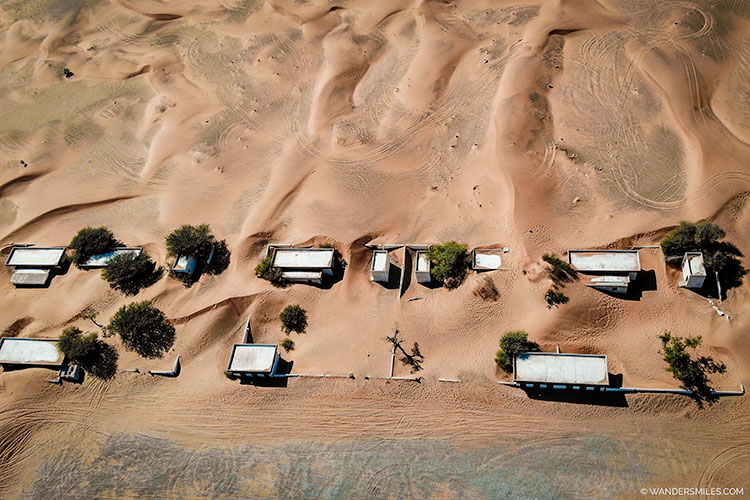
560	272
293	319
267	271
90	314
144	329
719	256
512	344
554	298
130	273
414	358
93	355
450	262
287	344
67	73
91	241
692	373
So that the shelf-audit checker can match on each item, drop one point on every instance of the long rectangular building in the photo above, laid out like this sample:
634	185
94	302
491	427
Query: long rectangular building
36	257
605	261
560	369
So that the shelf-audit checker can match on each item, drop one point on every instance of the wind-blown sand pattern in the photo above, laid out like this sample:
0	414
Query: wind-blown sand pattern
536	125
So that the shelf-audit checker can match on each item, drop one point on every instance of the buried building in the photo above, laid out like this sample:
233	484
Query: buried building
33	266
304	265
548	370
253	359
101	260
615	269
18	352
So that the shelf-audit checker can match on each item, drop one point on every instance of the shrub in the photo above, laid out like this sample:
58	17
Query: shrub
130	273
512	344
144	329
91	241
293	319
67	73
560	272
554	298
450	261
719	256
267	271
220	261
287	344
692	373
93	355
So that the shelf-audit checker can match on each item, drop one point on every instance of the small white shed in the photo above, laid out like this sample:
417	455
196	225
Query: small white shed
693	270
422	268
253	359
381	263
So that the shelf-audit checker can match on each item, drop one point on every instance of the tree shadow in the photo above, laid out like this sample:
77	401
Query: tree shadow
101	361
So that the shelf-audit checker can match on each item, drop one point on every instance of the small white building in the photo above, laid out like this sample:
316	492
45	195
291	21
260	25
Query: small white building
25	352
306	265
33	266
184	264
253	359
486	259
380	266
422	268
558	371
693	270
101	260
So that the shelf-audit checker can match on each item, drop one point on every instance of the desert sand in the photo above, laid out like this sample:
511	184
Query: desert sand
534	125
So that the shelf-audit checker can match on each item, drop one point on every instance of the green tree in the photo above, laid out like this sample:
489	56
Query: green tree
144	329
93	355
287	344
450	262
267	271
693	373
199	243
293	319
511	345
554	298
719	256
91	241
130	273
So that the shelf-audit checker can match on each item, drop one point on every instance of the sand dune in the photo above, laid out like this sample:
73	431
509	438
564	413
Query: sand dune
540	126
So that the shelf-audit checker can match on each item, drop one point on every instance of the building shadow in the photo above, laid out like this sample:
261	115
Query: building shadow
394	277
709	290
283	367
408	266
582	397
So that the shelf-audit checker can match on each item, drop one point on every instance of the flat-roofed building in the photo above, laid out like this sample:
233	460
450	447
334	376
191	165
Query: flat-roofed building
253	359
36	257
422	268
693	270
559	370
486	259
184	264
101	260
33	266
307	265
381	263
618	268
25	352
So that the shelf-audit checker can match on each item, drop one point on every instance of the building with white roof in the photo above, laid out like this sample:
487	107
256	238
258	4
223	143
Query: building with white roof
559	370
616	268
307	265
486	259
25	352
253	359
33	266
380	265
422	268
693	270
